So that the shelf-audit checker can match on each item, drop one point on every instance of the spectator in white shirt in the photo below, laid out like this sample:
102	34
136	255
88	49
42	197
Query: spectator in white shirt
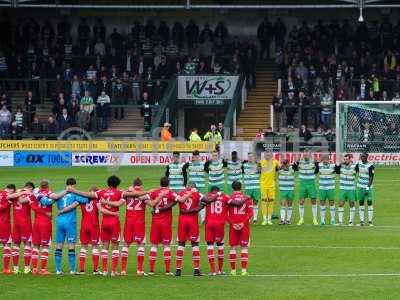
99	48
103	102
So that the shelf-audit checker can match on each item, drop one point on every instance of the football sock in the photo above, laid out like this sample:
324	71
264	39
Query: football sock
301	211
283	213
15	255
124	258
211	258
140	258
370	213
167	259
104	260
196	257
6	257
179	256
221	258
72	260
264	210
82	259
202	214
35	257
323	212
27	255
289	213
44	258
332	211
314	209
114	260
352	214
340	214
270	208
95	259
244	258
361	212
255	212
152	258
58	259
232	259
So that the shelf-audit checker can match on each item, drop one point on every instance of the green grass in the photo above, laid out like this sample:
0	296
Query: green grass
352	257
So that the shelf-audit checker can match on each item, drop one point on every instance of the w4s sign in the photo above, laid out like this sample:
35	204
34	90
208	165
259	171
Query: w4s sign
206	87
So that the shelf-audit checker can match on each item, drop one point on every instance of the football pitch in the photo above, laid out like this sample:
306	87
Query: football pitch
286	262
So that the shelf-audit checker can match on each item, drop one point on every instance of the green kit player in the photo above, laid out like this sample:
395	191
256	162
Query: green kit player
365	190
347	189
196	174
327	187
308	169
234	171
216	171
286	191
251	179
176	174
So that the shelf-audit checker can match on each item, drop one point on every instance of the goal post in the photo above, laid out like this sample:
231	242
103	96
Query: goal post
369	126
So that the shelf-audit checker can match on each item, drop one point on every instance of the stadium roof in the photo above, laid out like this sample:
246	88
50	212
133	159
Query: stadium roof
202	4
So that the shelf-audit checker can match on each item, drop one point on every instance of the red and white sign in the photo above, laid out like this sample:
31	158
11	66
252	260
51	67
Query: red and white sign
129	159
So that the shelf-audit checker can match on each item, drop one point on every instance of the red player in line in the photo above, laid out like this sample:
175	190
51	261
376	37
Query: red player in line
5	226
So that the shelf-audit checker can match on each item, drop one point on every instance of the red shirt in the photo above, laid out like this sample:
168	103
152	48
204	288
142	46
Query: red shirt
135	208
41	211
190	203
5	208
110	194
90	213
217	211
22	212
240	214
169	198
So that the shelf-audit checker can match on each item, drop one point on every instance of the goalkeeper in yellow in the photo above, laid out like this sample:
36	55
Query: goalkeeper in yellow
269	167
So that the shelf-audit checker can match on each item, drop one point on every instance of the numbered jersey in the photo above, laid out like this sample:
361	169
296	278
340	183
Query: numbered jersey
169	198
6	208
135	208
190	203
42	210
22	212
110	194
218	210
90	212
240	214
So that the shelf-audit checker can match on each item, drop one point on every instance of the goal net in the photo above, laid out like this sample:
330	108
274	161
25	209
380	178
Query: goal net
369	126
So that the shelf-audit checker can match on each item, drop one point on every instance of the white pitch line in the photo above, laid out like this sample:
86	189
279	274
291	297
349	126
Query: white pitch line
345	275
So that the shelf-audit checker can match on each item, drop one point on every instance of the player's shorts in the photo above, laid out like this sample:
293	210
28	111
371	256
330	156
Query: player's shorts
188	229
214	232
363	195
110	230
221	187
89	234
347	195
326	195
134	231
203	190
239	237
41	233
268	192
65	231
286	195
161	231
21	231
307	190
254	194
5	233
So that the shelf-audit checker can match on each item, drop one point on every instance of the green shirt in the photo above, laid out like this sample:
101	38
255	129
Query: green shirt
306	170
347	177
216	175
251	176
176	177
234	170
86	101
196	173
286	179
364	173
327	176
